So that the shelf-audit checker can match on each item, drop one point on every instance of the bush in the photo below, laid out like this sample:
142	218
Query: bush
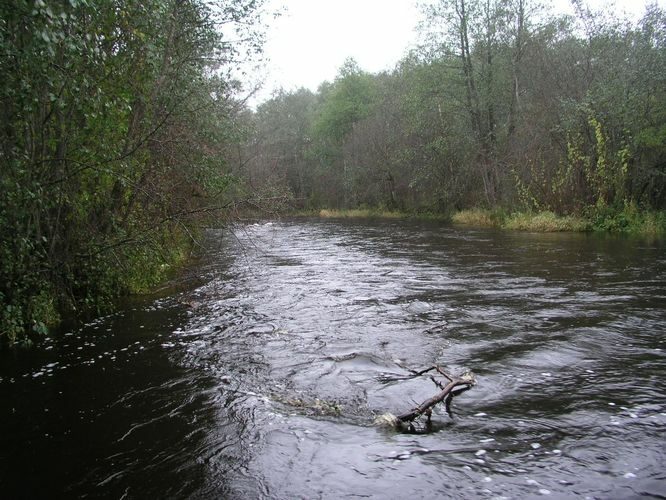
628	218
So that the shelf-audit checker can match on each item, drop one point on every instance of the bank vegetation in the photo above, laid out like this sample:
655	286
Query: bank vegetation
118	122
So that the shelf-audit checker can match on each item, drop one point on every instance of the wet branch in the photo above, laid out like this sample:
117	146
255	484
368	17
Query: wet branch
457	385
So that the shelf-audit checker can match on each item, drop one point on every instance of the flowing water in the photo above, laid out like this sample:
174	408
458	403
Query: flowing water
263	377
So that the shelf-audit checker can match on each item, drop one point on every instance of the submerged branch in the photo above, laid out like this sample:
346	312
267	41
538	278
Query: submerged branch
465	381
456	385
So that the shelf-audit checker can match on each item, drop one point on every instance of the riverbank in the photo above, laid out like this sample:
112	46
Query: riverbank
371	213
543	222
102	286
629	220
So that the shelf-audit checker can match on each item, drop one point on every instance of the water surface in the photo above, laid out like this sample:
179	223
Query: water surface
262	380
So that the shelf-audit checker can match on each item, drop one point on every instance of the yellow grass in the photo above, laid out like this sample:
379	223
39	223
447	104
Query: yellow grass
545	222
476	217
360	213
521	221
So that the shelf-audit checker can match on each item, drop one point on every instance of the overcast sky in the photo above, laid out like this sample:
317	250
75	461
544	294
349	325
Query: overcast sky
310	41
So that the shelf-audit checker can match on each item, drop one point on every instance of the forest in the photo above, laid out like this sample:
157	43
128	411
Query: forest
504	107
126	130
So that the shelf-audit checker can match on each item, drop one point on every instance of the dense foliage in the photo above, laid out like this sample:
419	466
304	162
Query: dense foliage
115	132
504	107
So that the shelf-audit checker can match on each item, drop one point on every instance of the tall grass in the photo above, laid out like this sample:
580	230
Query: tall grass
546	222
521	221
360	213
478	217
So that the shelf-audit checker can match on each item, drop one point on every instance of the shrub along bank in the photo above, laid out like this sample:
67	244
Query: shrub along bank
117	119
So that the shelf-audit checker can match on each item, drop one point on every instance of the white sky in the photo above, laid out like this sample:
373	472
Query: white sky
309	42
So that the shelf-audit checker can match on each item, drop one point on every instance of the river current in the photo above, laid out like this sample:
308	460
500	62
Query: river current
261	378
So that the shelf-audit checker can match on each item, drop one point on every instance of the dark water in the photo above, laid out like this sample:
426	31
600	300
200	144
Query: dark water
263	380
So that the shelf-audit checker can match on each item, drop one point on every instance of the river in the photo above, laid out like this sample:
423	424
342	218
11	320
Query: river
263	376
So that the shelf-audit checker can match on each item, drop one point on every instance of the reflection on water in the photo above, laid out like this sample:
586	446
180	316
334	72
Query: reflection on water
264	381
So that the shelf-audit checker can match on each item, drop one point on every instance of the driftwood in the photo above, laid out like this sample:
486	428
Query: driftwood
456	385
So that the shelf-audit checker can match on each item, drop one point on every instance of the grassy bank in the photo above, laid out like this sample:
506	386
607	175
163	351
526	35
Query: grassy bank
627	220
360	213
544	222
368	213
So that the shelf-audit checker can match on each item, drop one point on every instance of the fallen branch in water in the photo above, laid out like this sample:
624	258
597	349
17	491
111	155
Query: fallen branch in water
456	385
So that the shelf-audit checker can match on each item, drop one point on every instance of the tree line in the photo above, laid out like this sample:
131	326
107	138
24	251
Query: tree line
117	125
504	106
